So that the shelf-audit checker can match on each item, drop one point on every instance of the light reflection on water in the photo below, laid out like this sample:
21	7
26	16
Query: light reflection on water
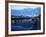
35	25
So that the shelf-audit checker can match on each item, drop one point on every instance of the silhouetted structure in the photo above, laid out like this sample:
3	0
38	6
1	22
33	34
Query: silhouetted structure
27	23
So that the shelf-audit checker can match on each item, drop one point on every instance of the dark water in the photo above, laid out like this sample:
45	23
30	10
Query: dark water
28	26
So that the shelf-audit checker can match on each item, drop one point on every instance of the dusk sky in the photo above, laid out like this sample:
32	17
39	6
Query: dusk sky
25	10
22	7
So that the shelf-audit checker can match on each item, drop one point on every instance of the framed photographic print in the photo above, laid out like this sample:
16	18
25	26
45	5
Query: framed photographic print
25	18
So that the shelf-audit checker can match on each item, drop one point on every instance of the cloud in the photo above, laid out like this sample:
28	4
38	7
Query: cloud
25	11
22	7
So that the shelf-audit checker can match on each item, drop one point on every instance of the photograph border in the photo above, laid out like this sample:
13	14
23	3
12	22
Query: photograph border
6	17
